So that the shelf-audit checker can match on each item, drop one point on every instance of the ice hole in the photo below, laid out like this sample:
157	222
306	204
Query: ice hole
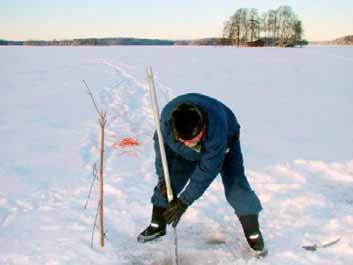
191	258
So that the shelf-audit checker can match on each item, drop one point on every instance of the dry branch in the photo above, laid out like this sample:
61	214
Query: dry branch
102	123
94	173
91	95
95	224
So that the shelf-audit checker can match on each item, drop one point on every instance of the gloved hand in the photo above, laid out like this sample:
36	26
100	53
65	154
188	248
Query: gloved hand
175	210
162	187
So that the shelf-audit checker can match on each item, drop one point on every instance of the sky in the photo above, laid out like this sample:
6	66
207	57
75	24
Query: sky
166	19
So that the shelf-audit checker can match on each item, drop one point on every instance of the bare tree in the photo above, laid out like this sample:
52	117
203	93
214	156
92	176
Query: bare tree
227	30
272	25
232	28
279	26
237	26
244	24
298	32
286	17
254	24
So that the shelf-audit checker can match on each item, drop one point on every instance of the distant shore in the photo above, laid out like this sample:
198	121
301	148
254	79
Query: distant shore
347	40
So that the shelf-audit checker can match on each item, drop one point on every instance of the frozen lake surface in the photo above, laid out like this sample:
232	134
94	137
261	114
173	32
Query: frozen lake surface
295	109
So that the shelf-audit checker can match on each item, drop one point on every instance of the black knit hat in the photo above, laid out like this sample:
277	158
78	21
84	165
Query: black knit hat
187	121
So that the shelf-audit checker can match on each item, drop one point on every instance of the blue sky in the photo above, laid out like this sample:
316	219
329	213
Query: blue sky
170	19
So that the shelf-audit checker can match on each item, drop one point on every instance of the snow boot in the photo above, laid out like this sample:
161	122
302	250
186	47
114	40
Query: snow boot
253	234
157	227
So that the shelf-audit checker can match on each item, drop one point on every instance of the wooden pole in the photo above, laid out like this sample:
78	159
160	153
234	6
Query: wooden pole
102	122
163	154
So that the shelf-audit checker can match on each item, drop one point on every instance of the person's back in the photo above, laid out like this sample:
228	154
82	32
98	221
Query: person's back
221	121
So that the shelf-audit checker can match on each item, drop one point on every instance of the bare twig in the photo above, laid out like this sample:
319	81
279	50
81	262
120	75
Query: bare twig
95	224
90	93
95	177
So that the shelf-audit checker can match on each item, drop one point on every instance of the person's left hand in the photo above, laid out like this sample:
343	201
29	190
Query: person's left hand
175	210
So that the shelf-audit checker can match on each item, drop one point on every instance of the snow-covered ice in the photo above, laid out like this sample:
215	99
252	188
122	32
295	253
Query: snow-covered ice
295	108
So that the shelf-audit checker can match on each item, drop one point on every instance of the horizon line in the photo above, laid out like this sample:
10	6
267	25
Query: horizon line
145	38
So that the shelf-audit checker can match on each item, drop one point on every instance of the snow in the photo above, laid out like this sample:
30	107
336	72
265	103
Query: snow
295	109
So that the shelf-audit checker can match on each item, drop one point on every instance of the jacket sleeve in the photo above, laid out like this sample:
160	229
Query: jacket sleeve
158	160
208	168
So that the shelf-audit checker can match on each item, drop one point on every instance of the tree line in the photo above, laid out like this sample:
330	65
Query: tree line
91	42
246	27
276	27
113	41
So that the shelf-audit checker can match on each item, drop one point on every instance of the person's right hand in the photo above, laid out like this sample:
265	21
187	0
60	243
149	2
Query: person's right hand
175	210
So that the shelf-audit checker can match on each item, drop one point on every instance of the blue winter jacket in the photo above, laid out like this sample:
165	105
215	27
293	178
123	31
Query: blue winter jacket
222	126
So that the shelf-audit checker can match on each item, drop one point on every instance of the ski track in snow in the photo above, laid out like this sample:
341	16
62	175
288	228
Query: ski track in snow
305	202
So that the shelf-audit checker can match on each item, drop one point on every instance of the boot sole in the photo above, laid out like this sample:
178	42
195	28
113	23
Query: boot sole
143	239
259	253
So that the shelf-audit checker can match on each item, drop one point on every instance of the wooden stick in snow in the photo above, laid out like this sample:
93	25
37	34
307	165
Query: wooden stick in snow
102	123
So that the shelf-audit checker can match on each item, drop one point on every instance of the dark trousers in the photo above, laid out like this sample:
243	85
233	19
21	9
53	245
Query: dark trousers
236	186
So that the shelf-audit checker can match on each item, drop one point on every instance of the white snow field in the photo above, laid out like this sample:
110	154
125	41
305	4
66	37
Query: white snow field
295	107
